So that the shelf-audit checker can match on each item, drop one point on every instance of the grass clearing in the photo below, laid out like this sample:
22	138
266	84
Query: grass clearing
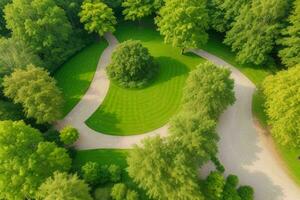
74	77
136	111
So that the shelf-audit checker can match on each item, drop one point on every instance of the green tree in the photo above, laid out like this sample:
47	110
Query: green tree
36	91
223	12
119	191
291	39
10	111
26	160
213	186
63	186
230	188
209	90
91	173
69	135
3	29
16	54
168	172
137	9
132	195
256	29
42	25
184	23
115	173
97	17
132	65
282	105
246	193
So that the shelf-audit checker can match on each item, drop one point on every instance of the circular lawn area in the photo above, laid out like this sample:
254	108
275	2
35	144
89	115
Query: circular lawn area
137	111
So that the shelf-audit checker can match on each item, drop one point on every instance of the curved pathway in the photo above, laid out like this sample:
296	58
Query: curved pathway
244	150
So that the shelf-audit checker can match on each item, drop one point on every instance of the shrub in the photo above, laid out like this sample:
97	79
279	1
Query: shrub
115	173
246	193
218	164
230	188
91	173
132	195
213	186
132	65
102	193
69	135
52	135
119	191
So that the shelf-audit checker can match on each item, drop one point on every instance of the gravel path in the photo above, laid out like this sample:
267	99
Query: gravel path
244	150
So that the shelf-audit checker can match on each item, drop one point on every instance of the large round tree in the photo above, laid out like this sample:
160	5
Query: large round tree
26	160
132	65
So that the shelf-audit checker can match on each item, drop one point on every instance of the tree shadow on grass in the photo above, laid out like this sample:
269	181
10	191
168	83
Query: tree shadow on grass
104	122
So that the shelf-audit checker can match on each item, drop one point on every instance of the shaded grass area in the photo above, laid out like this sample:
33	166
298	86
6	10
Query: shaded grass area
136	111
74	77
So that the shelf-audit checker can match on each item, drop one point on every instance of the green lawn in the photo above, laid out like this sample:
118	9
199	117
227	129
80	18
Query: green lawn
74	77
136	111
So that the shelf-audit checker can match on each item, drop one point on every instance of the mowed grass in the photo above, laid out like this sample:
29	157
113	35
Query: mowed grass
137	111
74	77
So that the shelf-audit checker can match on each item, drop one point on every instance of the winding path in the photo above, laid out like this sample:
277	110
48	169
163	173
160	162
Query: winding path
244	150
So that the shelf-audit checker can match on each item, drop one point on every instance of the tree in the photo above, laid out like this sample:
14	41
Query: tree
69	135
119	191
3	29
184	23
132	195
132	65
246	193
223	12
97	17
137	9
43	26
282	105
168	172
115	173
291	40
63	186
213	186
36	91
91	173
256	29
10	111
230	188
209	90
26	160
16	54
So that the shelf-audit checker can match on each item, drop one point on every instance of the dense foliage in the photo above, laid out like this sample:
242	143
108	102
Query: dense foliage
137	9
282	94
290	54
69	135
97	17
44	27
256	29
184	23
63	186
26	160
10	111
3	29
170	169
132	65
16	54
36	91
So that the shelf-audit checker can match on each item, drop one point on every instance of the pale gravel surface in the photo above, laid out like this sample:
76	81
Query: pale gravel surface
243	150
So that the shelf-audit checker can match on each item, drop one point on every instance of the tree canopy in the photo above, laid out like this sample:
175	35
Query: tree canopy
290	54
26	160
282	95
97	17
69	135
3	29
36	91
63	186
42	25
184	23
137	9
256	29
16	54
